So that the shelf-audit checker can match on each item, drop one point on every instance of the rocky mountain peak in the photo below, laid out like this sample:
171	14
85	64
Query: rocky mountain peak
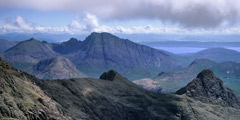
110	75
206	74
72	40
100	36
210	89
32	38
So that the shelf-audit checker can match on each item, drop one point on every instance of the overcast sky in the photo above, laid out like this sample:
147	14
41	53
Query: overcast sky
120	16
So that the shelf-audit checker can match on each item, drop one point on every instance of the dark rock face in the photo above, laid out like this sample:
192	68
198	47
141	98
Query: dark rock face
56	68
210	89
110	75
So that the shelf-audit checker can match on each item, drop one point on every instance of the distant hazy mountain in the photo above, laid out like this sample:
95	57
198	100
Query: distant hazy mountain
229	72
56	68
5	44
27	53
56	38
192	44
218	55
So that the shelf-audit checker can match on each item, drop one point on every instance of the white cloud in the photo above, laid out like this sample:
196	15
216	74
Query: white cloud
187	13
22	24
89	23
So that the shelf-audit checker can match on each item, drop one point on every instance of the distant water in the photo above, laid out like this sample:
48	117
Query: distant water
184	50
234	48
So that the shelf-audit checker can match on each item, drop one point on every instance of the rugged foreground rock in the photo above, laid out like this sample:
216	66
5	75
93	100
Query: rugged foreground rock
210	89
112	97
21	99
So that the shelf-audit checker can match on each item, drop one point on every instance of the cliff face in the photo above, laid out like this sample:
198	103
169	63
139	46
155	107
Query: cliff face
210	89
21	99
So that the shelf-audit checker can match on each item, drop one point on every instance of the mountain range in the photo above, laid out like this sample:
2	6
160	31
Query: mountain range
170	82
217	55
111	97
99	52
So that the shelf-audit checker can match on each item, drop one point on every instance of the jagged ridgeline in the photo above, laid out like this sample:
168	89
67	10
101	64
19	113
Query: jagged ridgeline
112	97
98	53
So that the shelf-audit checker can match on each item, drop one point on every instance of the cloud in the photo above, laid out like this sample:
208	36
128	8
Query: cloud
89	23
186	13
21	23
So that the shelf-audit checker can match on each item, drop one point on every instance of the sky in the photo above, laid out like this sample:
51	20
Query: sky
120	16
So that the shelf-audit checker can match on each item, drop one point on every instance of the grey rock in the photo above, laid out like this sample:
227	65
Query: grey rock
110	75
210	89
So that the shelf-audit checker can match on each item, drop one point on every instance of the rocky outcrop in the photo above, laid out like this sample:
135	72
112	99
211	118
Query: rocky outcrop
56	68
110	75
210	89
22	99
